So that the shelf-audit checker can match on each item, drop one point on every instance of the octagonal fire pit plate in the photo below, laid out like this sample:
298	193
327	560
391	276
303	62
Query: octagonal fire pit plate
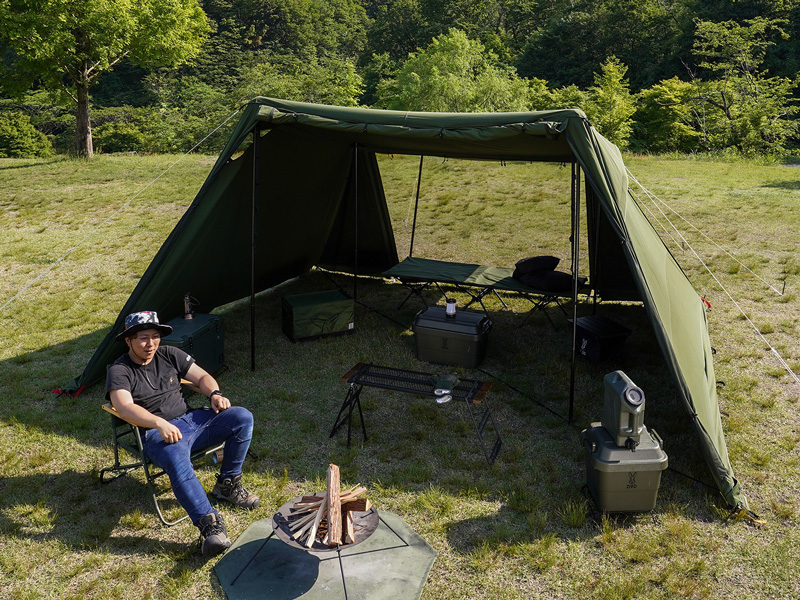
392	564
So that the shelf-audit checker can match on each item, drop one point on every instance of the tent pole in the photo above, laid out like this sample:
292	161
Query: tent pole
355	227
253	209
575	239
416	205
597	217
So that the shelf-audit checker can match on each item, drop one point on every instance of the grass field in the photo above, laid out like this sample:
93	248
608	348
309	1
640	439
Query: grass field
76	236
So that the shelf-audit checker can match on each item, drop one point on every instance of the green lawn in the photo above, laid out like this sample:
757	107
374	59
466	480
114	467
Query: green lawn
77	235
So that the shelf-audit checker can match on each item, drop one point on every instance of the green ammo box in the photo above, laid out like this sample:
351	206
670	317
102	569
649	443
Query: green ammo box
621	479
307	316
202	336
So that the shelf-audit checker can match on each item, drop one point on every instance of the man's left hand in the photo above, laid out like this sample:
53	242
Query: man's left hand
219	402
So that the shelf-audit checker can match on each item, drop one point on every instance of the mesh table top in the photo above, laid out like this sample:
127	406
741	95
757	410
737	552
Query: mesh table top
415	382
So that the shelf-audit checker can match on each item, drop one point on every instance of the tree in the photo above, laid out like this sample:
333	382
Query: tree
330	81
742	107
330	27
65	45
19	139
396	30
665	120
567	48
611	104
455	74
399	27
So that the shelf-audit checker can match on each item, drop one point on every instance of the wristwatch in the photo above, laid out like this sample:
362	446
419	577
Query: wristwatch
214	393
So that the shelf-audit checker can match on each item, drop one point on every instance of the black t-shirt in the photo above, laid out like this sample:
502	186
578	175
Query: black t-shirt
155	386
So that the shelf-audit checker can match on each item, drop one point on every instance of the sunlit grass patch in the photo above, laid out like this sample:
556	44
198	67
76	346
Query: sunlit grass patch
136	520
573	513
435	502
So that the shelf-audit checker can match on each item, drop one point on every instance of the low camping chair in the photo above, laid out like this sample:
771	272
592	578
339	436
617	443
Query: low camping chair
127	437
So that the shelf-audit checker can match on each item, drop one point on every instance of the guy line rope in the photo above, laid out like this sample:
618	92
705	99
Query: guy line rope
112	215
657	202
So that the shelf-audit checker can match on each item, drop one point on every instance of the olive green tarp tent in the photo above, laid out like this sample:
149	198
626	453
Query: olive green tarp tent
298	185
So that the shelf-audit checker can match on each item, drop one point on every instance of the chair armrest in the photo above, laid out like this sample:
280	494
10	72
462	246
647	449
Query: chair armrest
109	408
190	386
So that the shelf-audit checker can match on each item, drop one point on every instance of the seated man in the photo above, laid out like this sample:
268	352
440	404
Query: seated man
144	386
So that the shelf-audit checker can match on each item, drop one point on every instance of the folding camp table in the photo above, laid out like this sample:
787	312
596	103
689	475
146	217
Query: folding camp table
471	391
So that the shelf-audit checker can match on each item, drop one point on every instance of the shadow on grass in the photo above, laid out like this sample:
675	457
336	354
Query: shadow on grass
784	185
510	531
72	507
37	163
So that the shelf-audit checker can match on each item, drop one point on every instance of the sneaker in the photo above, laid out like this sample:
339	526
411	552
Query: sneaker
231	489
214	533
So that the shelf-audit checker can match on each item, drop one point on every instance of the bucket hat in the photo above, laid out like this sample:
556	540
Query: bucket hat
146	319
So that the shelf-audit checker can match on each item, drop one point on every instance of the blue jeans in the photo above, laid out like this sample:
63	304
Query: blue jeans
201	428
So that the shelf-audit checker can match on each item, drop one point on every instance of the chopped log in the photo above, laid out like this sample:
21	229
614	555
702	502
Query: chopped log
310	500
352	493
361	504
312	535
334	506
298	523
352	490
301	533
300	509
322	517
349	531
308	509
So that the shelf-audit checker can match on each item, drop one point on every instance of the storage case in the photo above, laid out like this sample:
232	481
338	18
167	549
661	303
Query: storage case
307	316
621	479
457	340
202	336
600	338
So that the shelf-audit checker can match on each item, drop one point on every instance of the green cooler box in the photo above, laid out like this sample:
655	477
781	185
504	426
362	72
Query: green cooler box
621	479
307	316
457	340
202	336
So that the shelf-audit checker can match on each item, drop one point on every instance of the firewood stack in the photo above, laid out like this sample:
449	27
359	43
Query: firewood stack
328	517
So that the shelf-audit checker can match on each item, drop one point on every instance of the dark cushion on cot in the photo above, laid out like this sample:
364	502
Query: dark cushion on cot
548	281
534	263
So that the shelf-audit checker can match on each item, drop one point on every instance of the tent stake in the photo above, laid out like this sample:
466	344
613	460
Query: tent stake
253	210
416	205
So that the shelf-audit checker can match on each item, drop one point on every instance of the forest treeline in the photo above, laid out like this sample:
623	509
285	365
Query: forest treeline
715	76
